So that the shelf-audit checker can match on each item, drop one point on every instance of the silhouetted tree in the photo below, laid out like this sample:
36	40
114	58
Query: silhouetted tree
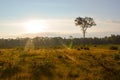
84	23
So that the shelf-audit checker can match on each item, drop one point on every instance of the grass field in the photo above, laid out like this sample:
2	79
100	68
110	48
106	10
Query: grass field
98	63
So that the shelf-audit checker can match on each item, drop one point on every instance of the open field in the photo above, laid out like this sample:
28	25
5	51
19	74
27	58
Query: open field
98	63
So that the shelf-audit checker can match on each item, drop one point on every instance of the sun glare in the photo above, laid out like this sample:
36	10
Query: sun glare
34	26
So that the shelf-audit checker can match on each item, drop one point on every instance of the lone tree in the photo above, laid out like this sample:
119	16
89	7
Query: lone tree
84	23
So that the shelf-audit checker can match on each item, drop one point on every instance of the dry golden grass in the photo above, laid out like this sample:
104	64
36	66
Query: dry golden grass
60	64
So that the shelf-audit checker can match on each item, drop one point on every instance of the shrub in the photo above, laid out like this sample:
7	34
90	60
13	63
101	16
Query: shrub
59	56
86	48
113	48
116	56
95	45
73	74
9	71
78	49
82	48
44	68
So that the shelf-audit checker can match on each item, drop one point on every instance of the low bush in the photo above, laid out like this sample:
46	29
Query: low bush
86	48
116	56
113	48
78	49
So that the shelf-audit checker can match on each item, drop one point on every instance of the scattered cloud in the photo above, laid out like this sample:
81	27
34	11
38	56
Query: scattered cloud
10	23
108	21
66	27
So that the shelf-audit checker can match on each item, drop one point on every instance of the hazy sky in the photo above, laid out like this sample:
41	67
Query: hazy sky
58	16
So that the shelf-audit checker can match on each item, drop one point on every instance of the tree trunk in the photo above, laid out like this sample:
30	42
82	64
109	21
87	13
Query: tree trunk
83	38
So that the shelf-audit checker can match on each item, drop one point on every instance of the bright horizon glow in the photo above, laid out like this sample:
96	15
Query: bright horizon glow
34	26
40	16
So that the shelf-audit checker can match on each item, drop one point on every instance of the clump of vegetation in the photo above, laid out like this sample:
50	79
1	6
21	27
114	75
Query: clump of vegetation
86	48
113	48
95	45
116	56
82	47
78	49
73	74
42	69
8	70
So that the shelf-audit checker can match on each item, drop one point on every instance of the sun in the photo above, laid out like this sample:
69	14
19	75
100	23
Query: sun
34	26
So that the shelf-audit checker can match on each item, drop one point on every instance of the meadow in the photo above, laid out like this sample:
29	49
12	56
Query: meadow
96	63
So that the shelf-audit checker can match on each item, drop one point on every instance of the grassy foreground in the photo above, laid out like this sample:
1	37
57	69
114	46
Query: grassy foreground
60	64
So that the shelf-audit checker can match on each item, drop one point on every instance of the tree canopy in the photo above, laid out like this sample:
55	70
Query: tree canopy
84	23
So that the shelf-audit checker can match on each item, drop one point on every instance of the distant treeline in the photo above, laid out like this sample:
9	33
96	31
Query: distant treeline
57	41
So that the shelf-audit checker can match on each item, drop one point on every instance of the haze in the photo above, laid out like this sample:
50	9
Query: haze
57	16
